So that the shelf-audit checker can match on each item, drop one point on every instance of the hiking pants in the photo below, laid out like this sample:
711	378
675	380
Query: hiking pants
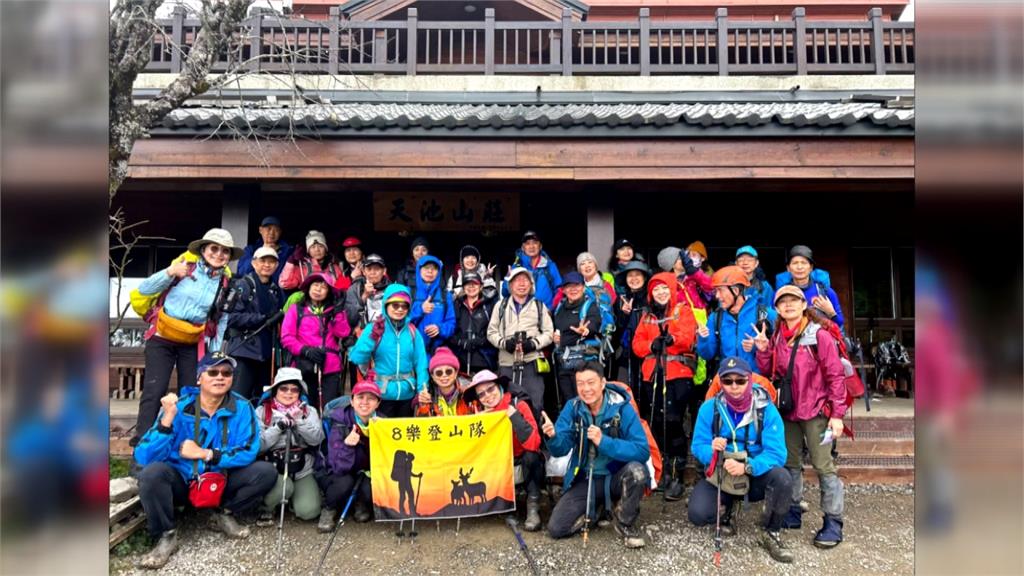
331	384
810	431
395	409
627	488
163	356
531	382
774	487
338	487
251	376
533	472
303	495
161	488
672	432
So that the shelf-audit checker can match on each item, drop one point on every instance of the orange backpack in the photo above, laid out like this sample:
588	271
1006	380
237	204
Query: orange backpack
653	464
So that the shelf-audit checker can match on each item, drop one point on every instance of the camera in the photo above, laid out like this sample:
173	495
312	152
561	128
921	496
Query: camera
520	337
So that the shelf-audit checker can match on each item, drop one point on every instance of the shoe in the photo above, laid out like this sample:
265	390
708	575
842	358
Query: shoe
772	541
361	512
225	522
804	505
326	522
831	533
674	490
532	523
794	518
158	556
266	518
726	523
577	526
632	537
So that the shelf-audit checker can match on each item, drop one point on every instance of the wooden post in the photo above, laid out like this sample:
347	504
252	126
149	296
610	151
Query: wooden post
255	39
410	41
877	40
722	17
177	37
566	42
489	41
333	43
380	47
800	41
645	41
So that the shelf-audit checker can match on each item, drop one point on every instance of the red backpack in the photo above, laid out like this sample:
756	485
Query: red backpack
851	380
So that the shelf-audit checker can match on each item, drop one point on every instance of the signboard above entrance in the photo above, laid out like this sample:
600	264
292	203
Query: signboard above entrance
445	212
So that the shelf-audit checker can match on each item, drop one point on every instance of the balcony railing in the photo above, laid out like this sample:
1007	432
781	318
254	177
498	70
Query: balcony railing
275	44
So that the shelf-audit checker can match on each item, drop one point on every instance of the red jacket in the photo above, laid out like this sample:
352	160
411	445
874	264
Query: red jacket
681	326
532	442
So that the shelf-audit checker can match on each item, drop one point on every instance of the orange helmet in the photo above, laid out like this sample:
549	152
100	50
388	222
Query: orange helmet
729	276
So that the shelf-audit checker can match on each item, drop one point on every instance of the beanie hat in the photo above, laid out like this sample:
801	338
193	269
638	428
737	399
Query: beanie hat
583	257
803	251
698	247
468	250
419	241
667	258
399	296
444	357
315	236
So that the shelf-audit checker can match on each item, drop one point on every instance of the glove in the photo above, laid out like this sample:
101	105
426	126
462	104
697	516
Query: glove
314	355
285	423
298	254
510	346
658	345
688	266
349	341
529	345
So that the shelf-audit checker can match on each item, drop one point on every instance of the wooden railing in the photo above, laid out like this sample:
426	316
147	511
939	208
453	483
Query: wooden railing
272	43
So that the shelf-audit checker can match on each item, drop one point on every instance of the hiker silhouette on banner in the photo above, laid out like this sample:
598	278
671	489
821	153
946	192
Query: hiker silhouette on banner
402	473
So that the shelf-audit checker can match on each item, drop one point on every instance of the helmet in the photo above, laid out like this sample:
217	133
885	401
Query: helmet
729	276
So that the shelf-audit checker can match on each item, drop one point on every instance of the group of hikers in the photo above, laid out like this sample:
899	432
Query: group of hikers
641	367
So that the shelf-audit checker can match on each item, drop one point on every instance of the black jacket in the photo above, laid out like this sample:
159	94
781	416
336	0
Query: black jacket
469	341
567	314
248	311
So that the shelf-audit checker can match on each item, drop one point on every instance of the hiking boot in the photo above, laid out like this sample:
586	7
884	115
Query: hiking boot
674	490
532	523
831	533
266	518
361	512
225	522
326	522
632	537
727	525
577	526
772	541
794	518
161	553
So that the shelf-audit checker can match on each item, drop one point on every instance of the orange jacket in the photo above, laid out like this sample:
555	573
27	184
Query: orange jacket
680	325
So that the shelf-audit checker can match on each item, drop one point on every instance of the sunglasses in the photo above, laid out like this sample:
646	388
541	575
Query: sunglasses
289	389
481	391
444	372
225	372
399	305
215	249
733	381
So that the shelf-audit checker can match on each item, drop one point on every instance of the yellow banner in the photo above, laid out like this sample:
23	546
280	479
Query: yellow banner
443	467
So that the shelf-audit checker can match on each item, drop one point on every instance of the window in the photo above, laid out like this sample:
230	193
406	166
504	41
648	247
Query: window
872	282
905	271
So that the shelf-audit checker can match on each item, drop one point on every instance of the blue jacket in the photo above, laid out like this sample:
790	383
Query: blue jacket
284	250
734	331
191	298
400	362
769	453
819	284
443	314
817	275
546	278
235	416
248	313
762	291
613	452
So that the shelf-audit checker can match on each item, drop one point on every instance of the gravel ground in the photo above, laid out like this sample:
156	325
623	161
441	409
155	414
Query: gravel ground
879	534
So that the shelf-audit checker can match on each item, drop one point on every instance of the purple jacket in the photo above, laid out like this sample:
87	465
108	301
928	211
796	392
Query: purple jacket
308	333
342	458
817	373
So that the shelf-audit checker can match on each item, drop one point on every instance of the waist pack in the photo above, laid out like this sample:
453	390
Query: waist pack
735	485
178	331
294	461
572	358
207	489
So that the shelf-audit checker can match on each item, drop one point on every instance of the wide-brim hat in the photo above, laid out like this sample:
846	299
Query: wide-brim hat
316	277
481	377
288	374
218	236
620	276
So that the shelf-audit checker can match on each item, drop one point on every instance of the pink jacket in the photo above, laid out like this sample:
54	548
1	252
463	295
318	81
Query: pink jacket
293	274
698	288
818	374
308	333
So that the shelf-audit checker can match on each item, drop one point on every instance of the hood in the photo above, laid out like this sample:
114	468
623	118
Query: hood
810	335
424	290
391	290
673	285
526	262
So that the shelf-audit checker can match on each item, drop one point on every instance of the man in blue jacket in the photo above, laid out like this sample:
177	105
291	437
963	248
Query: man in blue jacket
270	237
546	278
171	455
609	448
741	430
730	329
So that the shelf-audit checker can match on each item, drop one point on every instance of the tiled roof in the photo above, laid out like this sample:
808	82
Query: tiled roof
502	117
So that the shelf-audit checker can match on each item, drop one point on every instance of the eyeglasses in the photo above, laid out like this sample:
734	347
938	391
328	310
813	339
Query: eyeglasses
215	249
481	391
225	372
444	372
399	305
733	381
289	389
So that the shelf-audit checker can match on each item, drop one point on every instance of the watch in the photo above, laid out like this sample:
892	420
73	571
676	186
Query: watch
748	469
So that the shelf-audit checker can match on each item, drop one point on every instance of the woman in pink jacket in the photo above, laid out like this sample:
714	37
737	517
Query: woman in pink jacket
312	332
815	378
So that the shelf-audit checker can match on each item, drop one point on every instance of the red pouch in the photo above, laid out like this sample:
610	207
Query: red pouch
206	490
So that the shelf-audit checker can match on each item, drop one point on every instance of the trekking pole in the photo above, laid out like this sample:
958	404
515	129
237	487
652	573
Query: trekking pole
284	496
341	521
718	512
511	521
591	456
320	387
415	502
